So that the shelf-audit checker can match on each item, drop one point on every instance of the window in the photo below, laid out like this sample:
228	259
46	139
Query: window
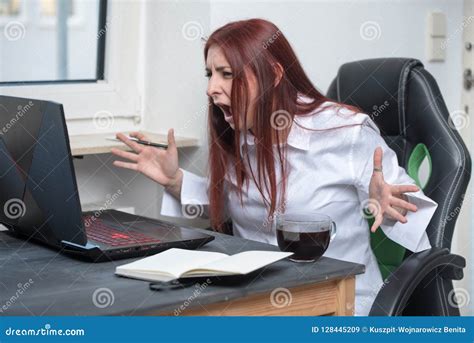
49	8
117	89
9	8
46	41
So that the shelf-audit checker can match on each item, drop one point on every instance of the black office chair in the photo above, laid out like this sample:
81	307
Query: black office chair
405	102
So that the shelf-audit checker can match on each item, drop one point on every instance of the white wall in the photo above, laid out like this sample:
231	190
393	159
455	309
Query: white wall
175	83
326	34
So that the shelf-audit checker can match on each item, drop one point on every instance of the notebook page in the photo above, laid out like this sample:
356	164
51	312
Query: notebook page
242	263
173	261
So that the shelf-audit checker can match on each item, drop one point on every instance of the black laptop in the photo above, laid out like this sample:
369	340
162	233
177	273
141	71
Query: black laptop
39	198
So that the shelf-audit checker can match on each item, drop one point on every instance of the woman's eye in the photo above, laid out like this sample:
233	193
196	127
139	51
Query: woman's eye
227	74
208	75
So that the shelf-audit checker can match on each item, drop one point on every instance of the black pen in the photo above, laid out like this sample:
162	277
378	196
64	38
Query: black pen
156	145
139	141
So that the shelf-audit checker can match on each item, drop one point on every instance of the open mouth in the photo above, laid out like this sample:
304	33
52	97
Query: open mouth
227	112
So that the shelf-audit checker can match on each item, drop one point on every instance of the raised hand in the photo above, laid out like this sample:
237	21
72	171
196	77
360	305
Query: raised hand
158	164
387	200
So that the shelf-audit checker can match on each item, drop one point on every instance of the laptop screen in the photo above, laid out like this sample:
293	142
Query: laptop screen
38	194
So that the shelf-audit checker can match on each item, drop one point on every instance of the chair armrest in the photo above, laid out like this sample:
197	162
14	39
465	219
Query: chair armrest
400	285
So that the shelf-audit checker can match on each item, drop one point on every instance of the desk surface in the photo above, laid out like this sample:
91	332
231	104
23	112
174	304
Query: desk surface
65	286
97	143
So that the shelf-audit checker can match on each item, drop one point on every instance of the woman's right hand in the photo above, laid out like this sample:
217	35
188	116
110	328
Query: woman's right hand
158	164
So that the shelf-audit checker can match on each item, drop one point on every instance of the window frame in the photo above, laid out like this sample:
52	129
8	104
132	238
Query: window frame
118	92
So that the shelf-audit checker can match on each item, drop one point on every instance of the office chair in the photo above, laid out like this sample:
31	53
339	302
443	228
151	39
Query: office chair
405	102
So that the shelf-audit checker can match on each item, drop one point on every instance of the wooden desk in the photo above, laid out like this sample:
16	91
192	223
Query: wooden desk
98	144
60	285
333	298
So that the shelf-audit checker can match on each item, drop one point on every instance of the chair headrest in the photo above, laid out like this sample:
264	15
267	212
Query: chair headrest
377	86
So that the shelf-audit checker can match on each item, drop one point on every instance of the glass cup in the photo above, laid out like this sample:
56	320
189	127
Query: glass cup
306	234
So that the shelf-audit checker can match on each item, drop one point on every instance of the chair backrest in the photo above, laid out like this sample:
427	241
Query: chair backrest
405	102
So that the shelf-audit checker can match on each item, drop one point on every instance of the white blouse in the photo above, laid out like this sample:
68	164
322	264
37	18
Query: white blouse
329	173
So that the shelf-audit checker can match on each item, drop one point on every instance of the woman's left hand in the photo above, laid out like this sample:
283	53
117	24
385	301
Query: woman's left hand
387	200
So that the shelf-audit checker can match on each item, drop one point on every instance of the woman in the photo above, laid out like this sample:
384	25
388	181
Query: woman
277	144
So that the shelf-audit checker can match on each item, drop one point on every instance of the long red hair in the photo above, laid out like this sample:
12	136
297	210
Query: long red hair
256	46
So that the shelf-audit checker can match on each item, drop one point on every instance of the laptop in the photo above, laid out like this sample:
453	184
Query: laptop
39	199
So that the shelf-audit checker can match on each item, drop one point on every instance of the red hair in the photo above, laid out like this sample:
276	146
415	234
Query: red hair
256	46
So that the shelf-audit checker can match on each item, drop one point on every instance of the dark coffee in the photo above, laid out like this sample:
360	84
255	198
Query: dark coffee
305	245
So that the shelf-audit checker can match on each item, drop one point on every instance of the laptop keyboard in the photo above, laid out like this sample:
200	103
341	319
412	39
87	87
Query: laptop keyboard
99	231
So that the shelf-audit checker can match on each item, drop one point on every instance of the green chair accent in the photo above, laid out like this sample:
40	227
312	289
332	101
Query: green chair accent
389	254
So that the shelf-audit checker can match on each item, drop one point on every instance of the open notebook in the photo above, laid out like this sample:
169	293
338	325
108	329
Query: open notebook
177	263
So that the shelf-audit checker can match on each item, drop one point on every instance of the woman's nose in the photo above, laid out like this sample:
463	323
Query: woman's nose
213	87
